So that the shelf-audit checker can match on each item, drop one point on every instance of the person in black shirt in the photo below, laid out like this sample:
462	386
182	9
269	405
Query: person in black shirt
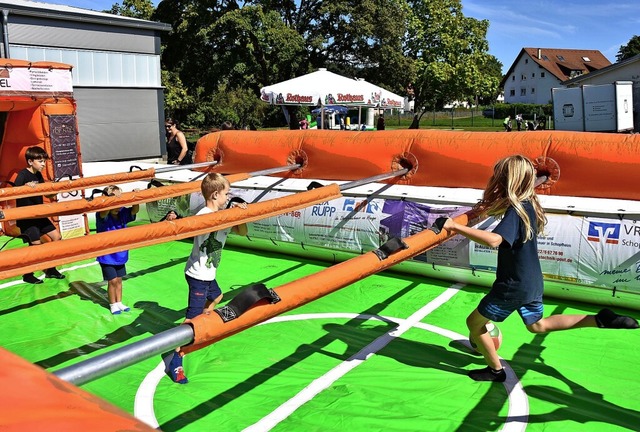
510	196
34	229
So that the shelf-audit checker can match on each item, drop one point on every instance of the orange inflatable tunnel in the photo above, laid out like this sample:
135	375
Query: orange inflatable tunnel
597	165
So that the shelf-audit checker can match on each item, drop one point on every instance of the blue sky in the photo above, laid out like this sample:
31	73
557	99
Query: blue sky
580	24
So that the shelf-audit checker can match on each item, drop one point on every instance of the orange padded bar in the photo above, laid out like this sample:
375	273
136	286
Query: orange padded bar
210	328
15	262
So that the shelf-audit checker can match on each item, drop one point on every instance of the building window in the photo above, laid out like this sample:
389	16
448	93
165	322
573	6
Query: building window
98	68
541	74
533	90
586	59
526	61
544	57
512	92
533	75
561	58
523	77
523	92
513	78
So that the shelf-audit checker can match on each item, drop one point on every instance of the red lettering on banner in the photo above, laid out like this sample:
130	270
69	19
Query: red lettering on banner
350	97
298	98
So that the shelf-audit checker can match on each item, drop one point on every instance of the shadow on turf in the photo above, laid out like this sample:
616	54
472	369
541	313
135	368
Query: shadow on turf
356	336
153	319
578	405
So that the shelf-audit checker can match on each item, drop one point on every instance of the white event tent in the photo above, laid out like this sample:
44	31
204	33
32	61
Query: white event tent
322	88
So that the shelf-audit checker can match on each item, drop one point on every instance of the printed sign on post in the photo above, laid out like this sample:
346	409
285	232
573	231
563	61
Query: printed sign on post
64	151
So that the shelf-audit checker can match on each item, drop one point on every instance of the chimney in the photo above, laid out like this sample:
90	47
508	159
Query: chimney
539	53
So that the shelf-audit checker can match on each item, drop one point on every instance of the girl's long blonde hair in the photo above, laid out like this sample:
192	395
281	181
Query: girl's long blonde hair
513	181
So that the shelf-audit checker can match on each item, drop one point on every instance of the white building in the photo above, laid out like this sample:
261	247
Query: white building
537	70
116	72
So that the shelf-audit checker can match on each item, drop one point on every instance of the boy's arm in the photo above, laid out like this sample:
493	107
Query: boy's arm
242	228
483	237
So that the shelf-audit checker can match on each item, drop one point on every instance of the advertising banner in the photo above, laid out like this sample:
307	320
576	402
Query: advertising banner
573	249
610	253
36	81
64	149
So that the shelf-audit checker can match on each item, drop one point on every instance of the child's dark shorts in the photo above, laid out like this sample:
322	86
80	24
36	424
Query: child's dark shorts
33	229
497	308
111	271
199	292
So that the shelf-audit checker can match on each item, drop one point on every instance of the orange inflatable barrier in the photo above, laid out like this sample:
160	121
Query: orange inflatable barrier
15	262
41	401
211	328
597	165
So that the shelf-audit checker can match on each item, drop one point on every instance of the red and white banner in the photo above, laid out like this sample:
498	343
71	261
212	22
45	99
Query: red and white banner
40	82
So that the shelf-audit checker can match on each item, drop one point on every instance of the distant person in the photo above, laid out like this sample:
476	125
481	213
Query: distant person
304	123
34	229
177	147
519	121
202	263
507	124
226	126
113	264
380	125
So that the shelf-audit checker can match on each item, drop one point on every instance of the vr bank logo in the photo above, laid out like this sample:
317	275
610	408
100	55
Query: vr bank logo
608	232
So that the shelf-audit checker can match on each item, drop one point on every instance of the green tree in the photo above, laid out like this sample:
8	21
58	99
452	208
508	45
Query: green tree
450	51
141	9
632	48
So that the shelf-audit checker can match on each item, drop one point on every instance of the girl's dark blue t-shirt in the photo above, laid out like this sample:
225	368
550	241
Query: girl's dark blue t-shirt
518	275
109	223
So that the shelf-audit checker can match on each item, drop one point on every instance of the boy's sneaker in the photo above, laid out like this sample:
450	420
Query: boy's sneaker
123	307
606	318
30	278
176	371
115	310
53	273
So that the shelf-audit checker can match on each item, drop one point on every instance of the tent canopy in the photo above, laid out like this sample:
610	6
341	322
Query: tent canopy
321	88
384	99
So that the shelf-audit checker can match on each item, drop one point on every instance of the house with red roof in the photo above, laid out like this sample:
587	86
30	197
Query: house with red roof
537	70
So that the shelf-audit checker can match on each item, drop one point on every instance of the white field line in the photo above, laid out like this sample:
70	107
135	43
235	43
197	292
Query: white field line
518	403
285	410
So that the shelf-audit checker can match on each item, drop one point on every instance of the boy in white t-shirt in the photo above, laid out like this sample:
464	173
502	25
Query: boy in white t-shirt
200	271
